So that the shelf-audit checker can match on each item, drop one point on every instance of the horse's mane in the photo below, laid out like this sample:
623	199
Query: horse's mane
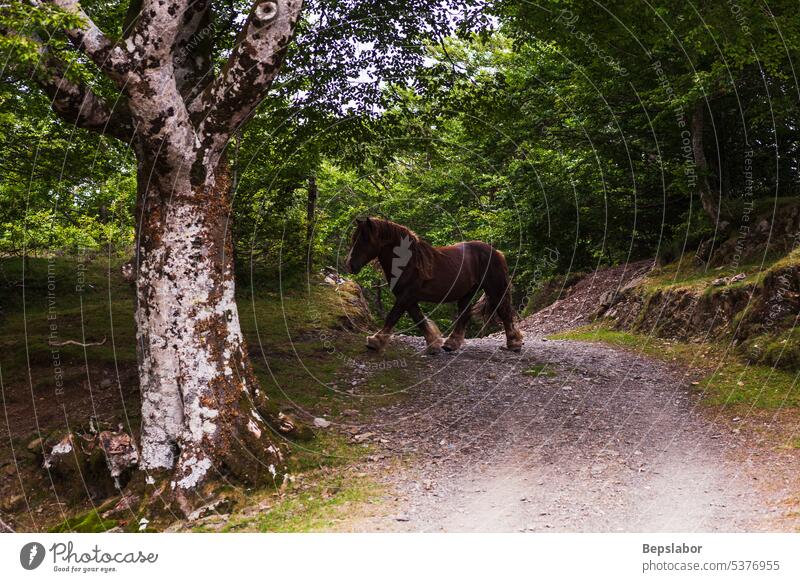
423	254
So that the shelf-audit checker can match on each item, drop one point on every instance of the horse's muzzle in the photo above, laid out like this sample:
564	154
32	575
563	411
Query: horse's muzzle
351	267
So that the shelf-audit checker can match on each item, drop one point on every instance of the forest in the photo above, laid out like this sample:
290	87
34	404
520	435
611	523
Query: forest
156	170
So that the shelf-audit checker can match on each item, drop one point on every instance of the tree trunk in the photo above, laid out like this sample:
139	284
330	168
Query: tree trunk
709	201
202	411
311	210
199	394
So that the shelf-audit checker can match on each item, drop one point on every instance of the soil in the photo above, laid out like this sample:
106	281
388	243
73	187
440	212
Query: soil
580	303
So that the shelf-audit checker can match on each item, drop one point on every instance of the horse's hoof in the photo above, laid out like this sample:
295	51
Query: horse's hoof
377	342
515	346
514	341
435	347
452	344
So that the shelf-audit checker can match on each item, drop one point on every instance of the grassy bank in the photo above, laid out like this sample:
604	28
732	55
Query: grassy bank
726	377
306	349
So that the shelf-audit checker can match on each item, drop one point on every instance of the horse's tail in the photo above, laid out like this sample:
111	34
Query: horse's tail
483	311
495	303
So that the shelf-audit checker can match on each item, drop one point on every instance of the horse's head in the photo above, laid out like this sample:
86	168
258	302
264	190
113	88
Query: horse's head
365	245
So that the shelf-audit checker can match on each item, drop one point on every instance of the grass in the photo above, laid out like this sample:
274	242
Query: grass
728	379
301	352
780	349
540	370
322	490
686	274
89	522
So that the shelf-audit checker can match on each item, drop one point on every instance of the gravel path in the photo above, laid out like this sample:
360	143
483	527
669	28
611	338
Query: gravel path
600	440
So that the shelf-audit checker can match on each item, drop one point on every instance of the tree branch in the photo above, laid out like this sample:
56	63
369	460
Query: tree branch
76	102
155	30
247	76
110	58
79	344
192	49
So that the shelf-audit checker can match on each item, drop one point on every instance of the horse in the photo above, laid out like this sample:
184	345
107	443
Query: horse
417	271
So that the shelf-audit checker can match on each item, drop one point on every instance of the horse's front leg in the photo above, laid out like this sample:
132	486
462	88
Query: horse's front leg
379	340
433	337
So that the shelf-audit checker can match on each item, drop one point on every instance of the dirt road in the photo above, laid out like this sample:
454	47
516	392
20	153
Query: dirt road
567	436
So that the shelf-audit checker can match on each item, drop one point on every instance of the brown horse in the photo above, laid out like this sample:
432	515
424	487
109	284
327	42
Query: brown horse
417	271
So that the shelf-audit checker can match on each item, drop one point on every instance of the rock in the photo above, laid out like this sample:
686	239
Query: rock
125	505
213	509
120	452
739	277
607	299
35	446
13	503
289	426
65	457
321	423
78	463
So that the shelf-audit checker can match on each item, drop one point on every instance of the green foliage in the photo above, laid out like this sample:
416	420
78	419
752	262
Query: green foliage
557	131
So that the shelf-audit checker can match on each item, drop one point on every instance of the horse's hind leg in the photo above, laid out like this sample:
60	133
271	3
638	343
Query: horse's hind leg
514	337
433	337
498	289
456	338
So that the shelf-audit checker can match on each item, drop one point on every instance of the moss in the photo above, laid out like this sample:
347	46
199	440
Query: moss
89	522
684	275
540	370
321	489
687	274
302	349
780	350
327	499
728	378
